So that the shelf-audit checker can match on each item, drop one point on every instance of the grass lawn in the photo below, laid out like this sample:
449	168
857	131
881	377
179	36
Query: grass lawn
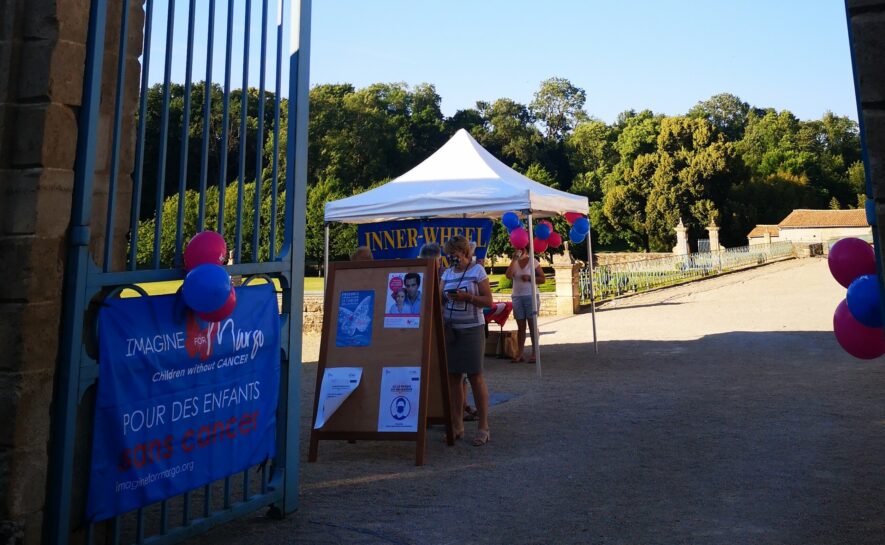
547	287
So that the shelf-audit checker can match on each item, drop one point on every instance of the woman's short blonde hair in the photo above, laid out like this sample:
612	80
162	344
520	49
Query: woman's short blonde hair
458	243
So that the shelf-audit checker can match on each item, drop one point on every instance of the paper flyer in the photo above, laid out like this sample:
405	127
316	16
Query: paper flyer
338	383
398	410
355	310
403	302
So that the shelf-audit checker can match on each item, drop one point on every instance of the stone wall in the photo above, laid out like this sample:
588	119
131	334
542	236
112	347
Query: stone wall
42	55
608	258
867	27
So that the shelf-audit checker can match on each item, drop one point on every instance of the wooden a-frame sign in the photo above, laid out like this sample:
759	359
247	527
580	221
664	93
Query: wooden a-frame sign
358	416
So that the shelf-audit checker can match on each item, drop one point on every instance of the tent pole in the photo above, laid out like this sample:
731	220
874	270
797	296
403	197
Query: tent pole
536	336
592	299
326	258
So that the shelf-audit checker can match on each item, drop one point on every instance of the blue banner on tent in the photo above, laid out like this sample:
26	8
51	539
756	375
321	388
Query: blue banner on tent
181	402
403	239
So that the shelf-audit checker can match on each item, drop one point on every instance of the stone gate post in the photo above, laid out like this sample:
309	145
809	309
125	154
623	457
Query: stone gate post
567	277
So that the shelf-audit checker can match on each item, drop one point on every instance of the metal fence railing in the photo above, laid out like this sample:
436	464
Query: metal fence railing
617	279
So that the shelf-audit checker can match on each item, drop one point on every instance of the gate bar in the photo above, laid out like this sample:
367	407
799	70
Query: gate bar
135	210
225	117
115	142
207	102
244	114
185	135
57	523
164	135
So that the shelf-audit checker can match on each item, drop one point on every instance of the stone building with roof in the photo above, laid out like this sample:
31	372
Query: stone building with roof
763	234
814	226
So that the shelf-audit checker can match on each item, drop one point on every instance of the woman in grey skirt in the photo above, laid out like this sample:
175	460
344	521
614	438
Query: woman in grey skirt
465	288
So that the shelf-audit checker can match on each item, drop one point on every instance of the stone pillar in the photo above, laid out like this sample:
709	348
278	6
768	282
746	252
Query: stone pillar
766	238
681	247
42	55
867	27
568	292
713	235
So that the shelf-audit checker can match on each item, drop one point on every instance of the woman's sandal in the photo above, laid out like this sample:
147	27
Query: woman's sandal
459	434
517	360
470	414
481	438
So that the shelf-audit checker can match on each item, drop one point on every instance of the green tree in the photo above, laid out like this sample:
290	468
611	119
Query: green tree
558	106
726	112
510	135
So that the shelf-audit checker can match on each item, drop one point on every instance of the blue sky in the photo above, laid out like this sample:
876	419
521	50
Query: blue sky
665	55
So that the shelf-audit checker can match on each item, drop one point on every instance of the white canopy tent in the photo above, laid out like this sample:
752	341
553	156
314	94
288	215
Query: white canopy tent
460	180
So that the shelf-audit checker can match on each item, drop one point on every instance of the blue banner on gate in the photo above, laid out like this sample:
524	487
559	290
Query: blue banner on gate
181	402
403	239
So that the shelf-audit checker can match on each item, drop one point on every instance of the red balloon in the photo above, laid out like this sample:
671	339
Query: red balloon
226	309
519	238
570	217
850	258
207	247
554	240
857	339
540	245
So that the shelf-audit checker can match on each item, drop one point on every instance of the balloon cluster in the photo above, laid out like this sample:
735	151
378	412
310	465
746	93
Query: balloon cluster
580	227
545	237
207	287
857	321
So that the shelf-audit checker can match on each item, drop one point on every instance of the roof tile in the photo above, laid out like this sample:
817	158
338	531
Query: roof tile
825	218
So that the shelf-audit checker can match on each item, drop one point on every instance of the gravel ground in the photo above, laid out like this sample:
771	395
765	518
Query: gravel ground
718	412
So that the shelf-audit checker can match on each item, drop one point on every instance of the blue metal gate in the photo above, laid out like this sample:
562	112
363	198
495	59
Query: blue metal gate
99	265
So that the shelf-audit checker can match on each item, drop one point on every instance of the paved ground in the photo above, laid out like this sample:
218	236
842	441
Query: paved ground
721	412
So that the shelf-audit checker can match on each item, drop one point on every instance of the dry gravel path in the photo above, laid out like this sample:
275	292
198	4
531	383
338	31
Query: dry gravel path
720	412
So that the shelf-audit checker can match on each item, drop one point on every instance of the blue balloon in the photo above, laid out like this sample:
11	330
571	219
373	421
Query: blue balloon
863	300
510	229
510	220
575	236
581	225
542	231
206	288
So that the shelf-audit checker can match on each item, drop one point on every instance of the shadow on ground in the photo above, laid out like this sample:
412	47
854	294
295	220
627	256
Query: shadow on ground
742	437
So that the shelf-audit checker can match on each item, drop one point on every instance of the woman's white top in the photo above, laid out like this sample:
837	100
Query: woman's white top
461	314
520	286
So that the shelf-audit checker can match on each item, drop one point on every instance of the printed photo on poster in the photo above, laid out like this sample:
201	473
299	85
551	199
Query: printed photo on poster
398	409
403	302
355	310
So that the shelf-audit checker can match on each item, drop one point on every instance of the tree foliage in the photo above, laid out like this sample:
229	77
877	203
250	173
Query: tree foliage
724	161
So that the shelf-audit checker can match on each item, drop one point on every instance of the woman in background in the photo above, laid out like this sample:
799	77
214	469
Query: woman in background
520	272
465	288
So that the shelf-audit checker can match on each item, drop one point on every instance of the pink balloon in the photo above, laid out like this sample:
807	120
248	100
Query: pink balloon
519	238
850	258
554	240
226	309
570	217
207	247
857	339
540	245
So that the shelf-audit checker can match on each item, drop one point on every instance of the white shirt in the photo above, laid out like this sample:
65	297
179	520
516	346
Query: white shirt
462	314
520	286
